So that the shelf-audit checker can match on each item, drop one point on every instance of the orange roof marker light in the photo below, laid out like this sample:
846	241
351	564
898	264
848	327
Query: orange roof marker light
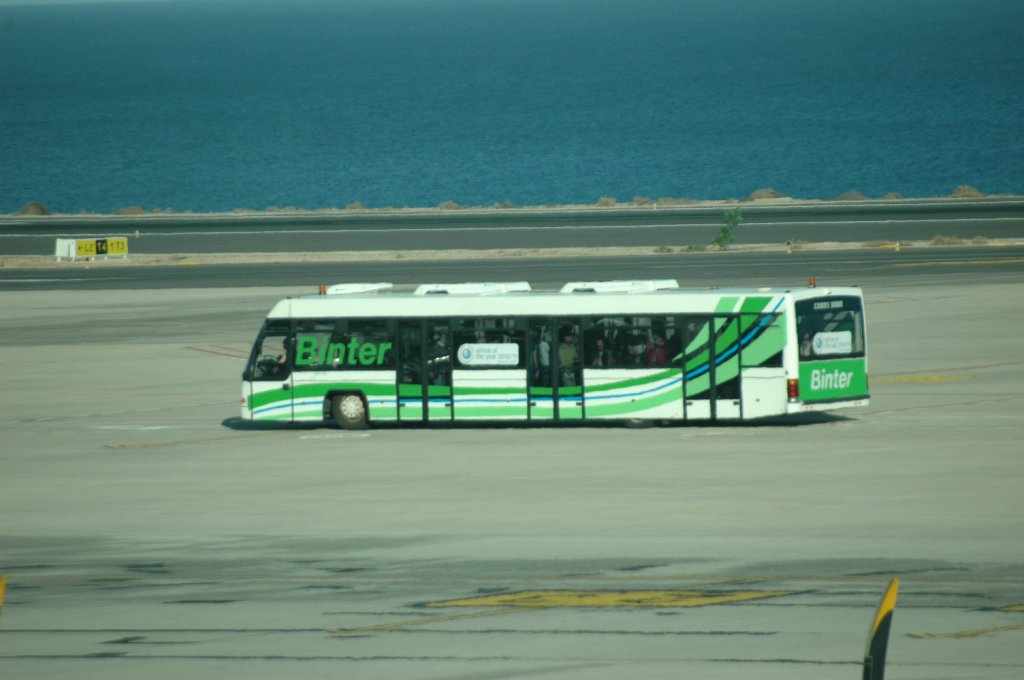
811	282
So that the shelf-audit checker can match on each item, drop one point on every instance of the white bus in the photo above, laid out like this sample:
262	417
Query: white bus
361	354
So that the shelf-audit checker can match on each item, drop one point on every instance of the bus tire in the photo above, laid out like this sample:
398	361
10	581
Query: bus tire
349	411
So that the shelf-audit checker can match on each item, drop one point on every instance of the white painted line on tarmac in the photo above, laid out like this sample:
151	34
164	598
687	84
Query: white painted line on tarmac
137	428
337	435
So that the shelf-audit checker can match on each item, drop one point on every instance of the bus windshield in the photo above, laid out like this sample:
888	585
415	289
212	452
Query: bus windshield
830	328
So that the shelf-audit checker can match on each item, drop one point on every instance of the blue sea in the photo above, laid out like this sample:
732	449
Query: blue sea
225	104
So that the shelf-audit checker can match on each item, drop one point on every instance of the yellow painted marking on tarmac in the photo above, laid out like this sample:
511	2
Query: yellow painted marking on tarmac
922	378
954	263
510	603
977	632
548	599
399	625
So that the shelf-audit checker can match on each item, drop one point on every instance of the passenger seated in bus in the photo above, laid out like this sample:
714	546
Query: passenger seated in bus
655	350
601	356
634	351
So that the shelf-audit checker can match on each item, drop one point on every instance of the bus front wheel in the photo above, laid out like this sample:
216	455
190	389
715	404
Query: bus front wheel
349	411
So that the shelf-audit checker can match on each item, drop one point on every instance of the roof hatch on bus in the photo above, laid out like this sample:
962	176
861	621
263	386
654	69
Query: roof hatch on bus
473	288
637	286
353	288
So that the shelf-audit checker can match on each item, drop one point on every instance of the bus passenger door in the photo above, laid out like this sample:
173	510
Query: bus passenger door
567	373
438	371
424	375
698	335
410	374
540	391
727	368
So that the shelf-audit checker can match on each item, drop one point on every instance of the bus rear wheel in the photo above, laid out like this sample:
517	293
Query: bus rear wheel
349	411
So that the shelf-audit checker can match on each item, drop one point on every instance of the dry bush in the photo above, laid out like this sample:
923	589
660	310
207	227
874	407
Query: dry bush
356	205
767	193
966	191
606	202
34	208
669	200
642	201
448	205
852	196
941	240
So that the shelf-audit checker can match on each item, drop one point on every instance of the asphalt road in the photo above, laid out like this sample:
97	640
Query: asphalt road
144	532
147	533
859	266
531	228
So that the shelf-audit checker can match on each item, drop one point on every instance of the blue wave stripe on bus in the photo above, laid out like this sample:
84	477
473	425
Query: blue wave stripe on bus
273	407
660	387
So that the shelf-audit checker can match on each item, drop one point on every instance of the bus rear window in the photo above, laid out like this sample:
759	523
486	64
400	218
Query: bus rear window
830	327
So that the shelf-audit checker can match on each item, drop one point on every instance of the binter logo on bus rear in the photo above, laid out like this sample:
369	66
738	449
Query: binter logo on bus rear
831	380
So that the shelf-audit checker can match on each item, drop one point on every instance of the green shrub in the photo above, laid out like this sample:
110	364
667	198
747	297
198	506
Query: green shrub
725	238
